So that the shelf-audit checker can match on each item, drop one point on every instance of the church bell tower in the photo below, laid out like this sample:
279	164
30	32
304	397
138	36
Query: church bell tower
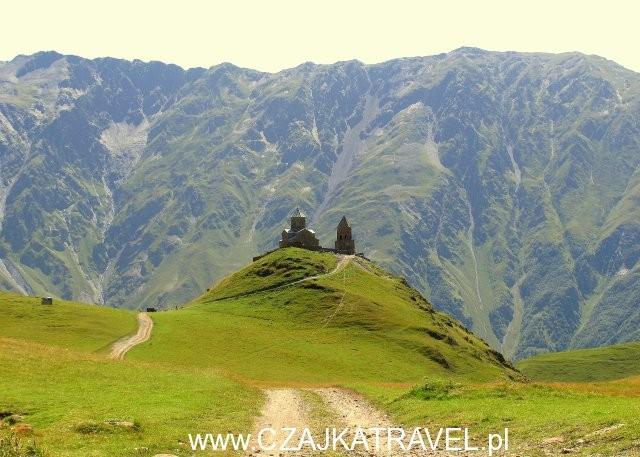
344	239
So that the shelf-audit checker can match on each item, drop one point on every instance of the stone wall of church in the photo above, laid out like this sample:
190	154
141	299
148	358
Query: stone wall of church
345	246
306	239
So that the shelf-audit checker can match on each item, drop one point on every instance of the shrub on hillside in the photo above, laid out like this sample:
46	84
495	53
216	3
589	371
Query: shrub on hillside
13	446
434	390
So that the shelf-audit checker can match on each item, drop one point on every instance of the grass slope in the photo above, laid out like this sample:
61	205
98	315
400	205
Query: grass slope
357	327
69	325
54	373
587	419
356	324
597	364
69	398
276	269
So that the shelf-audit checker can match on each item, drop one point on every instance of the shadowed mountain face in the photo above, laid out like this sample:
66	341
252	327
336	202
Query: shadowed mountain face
502	185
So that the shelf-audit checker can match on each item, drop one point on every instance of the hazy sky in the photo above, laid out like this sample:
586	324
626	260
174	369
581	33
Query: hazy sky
272	34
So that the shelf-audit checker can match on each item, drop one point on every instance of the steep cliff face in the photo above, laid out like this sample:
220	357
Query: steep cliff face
503	185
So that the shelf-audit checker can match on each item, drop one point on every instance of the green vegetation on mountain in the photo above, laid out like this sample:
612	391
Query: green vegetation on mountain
281	267
504	186
597	364
293	316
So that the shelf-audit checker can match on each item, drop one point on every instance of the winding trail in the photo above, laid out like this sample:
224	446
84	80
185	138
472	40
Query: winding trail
321	408
123	345
342	262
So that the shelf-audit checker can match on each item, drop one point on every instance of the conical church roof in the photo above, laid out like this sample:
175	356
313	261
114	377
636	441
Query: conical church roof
298	213
343	222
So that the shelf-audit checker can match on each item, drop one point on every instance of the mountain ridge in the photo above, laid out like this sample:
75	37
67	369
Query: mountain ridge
460	49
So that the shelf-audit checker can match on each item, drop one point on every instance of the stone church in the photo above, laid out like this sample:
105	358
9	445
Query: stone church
299	235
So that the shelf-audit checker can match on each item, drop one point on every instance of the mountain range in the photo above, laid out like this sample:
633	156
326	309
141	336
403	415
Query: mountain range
503	186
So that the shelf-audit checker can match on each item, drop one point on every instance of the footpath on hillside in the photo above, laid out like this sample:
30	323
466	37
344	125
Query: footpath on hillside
145	324
319	409
123	345
343	261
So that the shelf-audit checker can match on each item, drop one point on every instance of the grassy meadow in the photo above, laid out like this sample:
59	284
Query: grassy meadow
86	328
85	405
543	419
596	364
75	402
357	327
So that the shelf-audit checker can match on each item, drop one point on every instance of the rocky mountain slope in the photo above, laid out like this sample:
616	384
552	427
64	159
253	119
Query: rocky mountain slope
503	185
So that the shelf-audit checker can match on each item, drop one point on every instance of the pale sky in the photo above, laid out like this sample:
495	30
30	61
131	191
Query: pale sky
270	35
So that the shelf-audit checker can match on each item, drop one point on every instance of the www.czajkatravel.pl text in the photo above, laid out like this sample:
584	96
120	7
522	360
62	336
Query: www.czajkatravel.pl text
372	439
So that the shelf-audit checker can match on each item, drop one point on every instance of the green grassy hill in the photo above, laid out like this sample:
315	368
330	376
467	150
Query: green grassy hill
597	364
356	322
269	323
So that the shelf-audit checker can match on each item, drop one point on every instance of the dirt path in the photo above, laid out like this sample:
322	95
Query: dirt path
122	346
283	408
342	263
326	408
352	409
355	411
